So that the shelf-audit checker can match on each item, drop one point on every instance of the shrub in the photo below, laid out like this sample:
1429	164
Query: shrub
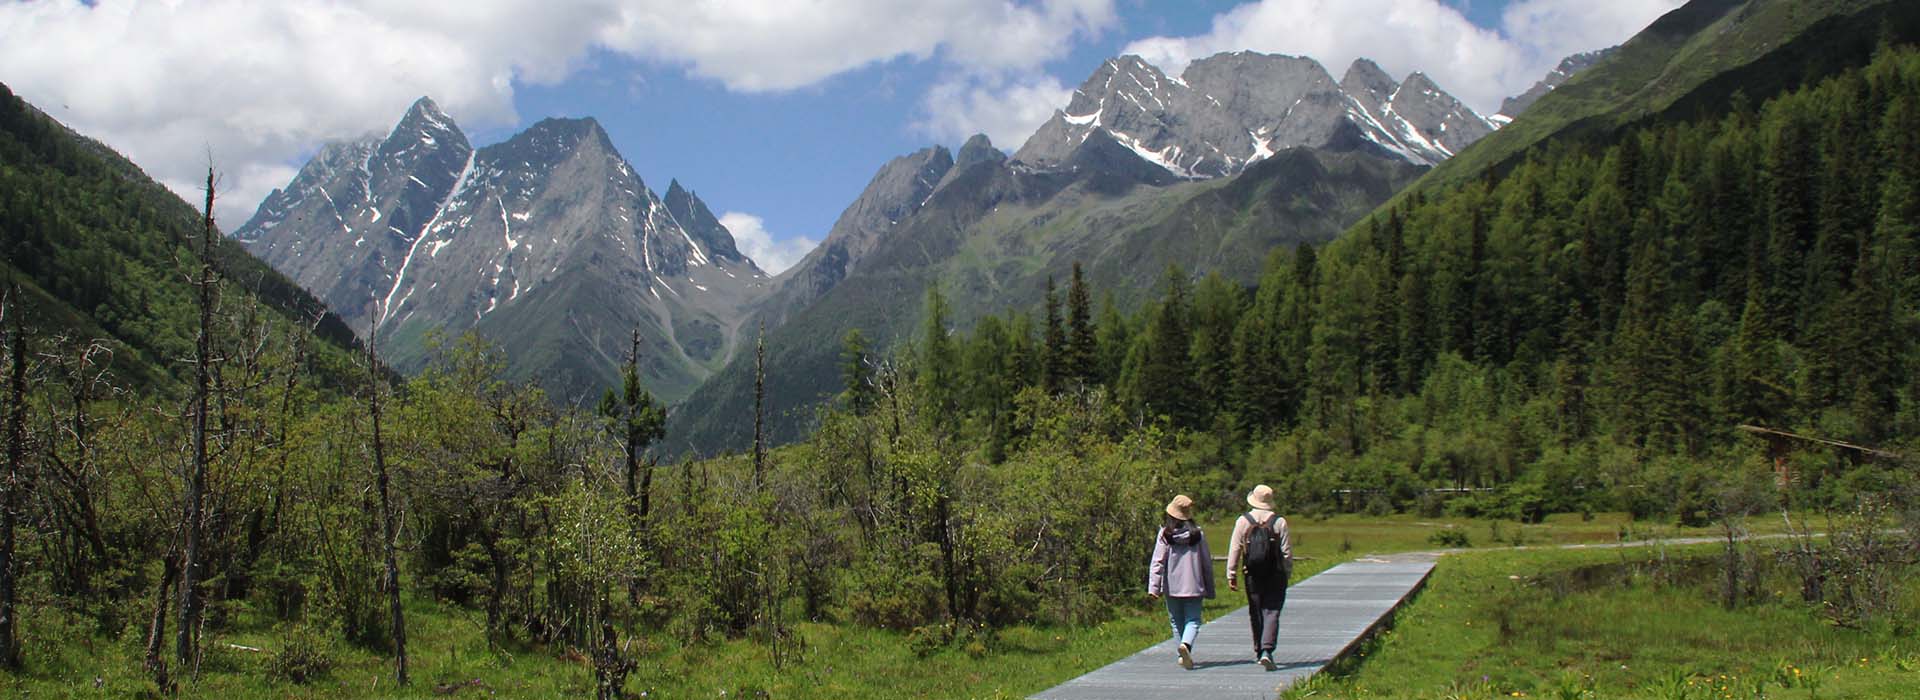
883	593
305	655
925	640
1450	537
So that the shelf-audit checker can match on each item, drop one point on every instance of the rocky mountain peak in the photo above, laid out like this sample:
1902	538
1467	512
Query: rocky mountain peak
1568	67
977	149
693	215
1229	110
1365	81
548	243
897	191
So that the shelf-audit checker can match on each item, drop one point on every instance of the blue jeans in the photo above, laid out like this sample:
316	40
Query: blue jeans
1184	614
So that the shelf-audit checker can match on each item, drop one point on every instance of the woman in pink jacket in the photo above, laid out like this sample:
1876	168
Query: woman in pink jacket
1182	571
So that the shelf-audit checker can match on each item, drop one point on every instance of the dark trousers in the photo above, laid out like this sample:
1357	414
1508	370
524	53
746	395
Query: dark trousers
1264	601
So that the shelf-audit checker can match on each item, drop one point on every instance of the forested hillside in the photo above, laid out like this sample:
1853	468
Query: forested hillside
102	252
1565	332
1583	332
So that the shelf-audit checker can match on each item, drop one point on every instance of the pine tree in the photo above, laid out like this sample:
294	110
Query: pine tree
1790	195
939	361
637	421
1414	335
1056	344
1216	312
856	372
1112	339
1165	377
1082	347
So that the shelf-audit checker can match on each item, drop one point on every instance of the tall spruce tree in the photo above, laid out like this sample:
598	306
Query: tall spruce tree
939	361
1056	342
856	372
1165	380
1082	364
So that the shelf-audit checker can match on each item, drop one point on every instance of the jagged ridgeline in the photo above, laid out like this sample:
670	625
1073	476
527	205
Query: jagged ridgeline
1545	334
1211	169
1108	180
1751	267
547	244
102	252
1691	62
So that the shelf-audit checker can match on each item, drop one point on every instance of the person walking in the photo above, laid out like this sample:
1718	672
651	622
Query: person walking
1182	571
1261	544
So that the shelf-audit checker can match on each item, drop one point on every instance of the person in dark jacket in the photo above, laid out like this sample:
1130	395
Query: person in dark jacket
1182	571
1266	590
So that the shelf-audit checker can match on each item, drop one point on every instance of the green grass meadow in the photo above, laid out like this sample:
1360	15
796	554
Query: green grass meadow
1628	639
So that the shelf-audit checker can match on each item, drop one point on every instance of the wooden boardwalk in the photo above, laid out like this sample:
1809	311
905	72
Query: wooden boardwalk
1325	615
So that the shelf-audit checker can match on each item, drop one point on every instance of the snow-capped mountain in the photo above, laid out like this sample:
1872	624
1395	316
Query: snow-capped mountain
1229	110
547	243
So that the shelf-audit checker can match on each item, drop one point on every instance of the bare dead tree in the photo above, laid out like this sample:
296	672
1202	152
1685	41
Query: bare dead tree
190	564
156	662
16	347
68	485
759	407
398	617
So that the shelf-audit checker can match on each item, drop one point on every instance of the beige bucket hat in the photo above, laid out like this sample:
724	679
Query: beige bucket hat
1181	507
1261	497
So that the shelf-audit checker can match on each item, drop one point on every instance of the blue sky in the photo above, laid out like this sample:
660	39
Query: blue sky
795	158
776	112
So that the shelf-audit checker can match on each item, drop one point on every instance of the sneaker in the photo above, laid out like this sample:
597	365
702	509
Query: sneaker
1186	656
1266	661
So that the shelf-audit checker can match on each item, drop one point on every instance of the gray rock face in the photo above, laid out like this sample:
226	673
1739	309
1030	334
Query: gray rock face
1446	125
901	187
1233	109
342	227
548	243
1568	67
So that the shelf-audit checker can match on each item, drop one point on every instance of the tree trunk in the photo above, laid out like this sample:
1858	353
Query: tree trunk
156	663
759	408
397	616
10	497
196	482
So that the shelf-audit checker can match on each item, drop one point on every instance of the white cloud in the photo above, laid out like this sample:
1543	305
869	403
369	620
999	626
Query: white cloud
1480	66
1007	111
773	256
261	84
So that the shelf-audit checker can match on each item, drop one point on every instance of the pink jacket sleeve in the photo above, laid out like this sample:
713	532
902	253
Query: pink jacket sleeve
1157	570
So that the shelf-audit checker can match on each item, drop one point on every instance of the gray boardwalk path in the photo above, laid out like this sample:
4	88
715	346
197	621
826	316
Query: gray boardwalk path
1324	615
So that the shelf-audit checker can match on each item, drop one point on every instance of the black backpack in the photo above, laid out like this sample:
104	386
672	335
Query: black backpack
1264	555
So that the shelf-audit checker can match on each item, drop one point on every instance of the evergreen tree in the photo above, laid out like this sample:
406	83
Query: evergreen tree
1791	164
1113	338
1216	312
856	373
1414	335
939	361
637	421
1164	378
1056	343
1082	363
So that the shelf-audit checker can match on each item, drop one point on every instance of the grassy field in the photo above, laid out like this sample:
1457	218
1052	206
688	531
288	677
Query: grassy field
447	646
1618	624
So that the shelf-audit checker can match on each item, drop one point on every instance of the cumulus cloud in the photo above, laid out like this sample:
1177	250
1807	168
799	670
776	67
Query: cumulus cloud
1480	66
1007	111
773	256
261	84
